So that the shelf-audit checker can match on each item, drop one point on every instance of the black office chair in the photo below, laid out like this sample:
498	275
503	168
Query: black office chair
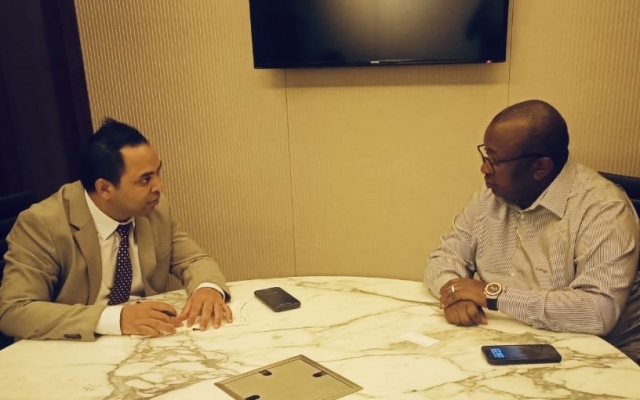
10	207
626	334
630	184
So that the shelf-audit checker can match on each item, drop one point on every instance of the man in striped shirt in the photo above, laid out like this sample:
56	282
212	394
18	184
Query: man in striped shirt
548	241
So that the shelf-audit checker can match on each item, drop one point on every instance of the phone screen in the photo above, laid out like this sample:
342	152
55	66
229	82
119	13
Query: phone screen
277	299
521	354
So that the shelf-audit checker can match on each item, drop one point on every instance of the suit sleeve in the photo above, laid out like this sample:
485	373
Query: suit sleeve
192	265
31	276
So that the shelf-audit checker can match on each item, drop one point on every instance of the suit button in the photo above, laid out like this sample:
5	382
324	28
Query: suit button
73	336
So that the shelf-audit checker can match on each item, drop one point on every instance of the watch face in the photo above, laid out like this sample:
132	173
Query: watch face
493	289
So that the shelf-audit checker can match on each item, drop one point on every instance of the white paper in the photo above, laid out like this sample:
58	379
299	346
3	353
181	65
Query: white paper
239	319
420	339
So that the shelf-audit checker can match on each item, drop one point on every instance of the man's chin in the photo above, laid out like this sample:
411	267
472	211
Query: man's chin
499	195
507	200
146	210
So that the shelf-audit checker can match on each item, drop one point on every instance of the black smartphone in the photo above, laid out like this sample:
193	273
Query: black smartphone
521	354
277	299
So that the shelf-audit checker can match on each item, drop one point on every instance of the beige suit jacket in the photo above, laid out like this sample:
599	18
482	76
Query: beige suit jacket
54	269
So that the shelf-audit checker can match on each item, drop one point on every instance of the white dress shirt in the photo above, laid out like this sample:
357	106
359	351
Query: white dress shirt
109	240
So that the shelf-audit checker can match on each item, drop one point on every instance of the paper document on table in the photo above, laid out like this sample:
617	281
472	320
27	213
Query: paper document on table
420	339
239	319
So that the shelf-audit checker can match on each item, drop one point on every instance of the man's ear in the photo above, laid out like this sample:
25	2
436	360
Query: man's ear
104	188
542	168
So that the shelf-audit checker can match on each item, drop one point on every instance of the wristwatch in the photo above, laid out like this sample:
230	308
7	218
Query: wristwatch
491	292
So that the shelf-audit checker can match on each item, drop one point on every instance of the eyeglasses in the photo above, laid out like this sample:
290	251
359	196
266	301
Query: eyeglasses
492	164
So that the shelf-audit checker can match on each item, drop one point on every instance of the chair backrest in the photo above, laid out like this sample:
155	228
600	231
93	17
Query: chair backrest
10	207
630	184
626	334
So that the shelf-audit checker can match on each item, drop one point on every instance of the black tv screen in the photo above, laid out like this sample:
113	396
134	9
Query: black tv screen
329	33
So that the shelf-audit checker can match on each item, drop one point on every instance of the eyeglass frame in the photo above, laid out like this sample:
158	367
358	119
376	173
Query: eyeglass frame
493	164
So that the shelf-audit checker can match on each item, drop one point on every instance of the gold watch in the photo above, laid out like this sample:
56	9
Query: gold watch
491	292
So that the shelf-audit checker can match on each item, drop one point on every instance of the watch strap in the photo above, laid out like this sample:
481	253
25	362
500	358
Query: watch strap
492	304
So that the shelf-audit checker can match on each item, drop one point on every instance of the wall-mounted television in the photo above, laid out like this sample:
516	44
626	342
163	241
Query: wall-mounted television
334	33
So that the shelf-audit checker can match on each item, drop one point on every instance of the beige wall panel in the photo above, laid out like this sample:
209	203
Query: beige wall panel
583	57
354	171
182	72
382	159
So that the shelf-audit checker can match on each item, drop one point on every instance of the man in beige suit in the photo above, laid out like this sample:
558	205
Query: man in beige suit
61	263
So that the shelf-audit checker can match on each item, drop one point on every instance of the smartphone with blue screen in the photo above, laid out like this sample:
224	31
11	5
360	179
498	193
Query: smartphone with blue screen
521	354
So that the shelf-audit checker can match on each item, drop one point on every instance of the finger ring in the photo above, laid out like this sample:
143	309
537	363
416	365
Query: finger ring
453	289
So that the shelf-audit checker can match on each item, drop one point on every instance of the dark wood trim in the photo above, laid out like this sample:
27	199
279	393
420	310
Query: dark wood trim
10	170
67	70
44	104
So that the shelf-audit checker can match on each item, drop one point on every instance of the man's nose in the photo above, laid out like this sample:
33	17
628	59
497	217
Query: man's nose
485	169
157	184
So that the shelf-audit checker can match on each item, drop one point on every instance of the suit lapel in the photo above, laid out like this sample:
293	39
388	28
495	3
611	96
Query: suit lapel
87	238
146	251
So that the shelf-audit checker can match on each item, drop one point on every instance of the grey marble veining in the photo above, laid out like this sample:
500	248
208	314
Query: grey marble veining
351	325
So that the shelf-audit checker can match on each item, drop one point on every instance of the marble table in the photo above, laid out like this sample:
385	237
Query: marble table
361	328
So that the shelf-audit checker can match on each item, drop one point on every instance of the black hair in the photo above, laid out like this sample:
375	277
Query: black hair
548	133
102	158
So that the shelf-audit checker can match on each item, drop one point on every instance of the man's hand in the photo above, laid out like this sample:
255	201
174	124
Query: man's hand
150	318
463	289
465	313
206	302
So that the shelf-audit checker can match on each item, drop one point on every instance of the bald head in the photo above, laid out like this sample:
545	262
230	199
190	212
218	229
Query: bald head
547	131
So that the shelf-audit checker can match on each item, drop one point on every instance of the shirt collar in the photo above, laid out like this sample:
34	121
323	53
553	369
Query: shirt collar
555	196
105	225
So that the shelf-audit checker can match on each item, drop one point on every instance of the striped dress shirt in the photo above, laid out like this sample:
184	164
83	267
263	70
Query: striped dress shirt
566	263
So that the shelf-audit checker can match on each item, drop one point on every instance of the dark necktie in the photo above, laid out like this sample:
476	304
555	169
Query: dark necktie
124	270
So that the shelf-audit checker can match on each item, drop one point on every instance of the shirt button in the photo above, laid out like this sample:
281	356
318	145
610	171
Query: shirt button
513	274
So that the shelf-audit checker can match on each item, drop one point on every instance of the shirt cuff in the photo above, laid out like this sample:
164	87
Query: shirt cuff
213	286
109	322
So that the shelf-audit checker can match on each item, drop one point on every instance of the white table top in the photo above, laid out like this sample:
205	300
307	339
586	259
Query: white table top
353	326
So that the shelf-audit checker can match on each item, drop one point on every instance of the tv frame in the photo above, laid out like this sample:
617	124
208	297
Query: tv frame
383	62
